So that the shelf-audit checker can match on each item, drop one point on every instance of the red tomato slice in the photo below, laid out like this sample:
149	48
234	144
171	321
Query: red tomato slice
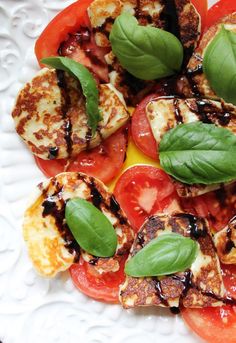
103	162
141	130
218	207
216	324
70	21
219	10
201	6
104	287
144	190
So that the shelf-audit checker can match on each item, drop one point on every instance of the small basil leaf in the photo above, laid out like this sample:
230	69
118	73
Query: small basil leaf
88	84
164	255
219	65
146	52
199	153
91	228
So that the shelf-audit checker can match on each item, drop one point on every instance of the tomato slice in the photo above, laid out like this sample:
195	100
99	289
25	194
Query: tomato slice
217	206
71	25
144	190
201	6
103	287
216	324
141	130
219	10
111	154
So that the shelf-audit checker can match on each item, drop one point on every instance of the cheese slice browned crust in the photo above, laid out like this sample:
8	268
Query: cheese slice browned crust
195	83
165	113
50	243
50	115
225	242
200	286
176	16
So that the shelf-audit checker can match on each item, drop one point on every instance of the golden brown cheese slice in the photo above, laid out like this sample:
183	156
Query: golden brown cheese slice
187	27
196	83
51	118
225	242
200	286
50	243
165	113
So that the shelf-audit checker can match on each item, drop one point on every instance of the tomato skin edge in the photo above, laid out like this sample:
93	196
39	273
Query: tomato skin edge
48	43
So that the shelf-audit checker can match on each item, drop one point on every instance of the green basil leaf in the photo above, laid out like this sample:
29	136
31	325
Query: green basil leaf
88	84
146	52
91	228
219	65
167	254
199	153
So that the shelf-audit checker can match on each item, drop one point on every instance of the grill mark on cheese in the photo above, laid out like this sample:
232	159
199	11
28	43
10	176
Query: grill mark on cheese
66	103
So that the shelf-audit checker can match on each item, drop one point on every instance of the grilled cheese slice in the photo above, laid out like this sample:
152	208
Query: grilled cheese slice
51	245
225	242
160	14
196	83
200	286
165	113
51	118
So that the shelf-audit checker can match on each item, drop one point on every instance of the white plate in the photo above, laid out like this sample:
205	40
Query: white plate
33	309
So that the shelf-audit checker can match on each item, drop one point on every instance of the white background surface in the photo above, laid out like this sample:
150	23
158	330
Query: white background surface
32	309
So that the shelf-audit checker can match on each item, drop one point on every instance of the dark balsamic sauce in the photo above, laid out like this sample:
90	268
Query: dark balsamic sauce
81	40
53	153
190	77
54	206
96	196
140	239
94	261
170	17
195	231
178	116
97	200
230	243
175	310
159	292
66	102
88	137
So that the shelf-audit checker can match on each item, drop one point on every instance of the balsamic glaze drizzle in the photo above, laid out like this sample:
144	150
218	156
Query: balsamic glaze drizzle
66	102
53	153
178	116
230	243
50	207
170	17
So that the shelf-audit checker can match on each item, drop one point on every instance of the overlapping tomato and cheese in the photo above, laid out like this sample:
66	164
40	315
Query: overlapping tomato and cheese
51	245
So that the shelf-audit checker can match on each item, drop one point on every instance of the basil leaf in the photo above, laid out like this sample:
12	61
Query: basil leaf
88	84
199	153
146	52
164	255
219	65
91	228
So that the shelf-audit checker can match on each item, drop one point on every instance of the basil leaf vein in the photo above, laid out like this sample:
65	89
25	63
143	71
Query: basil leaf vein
146	52
199	153
88	84
167	254
90	228
219	65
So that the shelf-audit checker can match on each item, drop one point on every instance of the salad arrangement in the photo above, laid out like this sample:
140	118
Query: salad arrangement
150	241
